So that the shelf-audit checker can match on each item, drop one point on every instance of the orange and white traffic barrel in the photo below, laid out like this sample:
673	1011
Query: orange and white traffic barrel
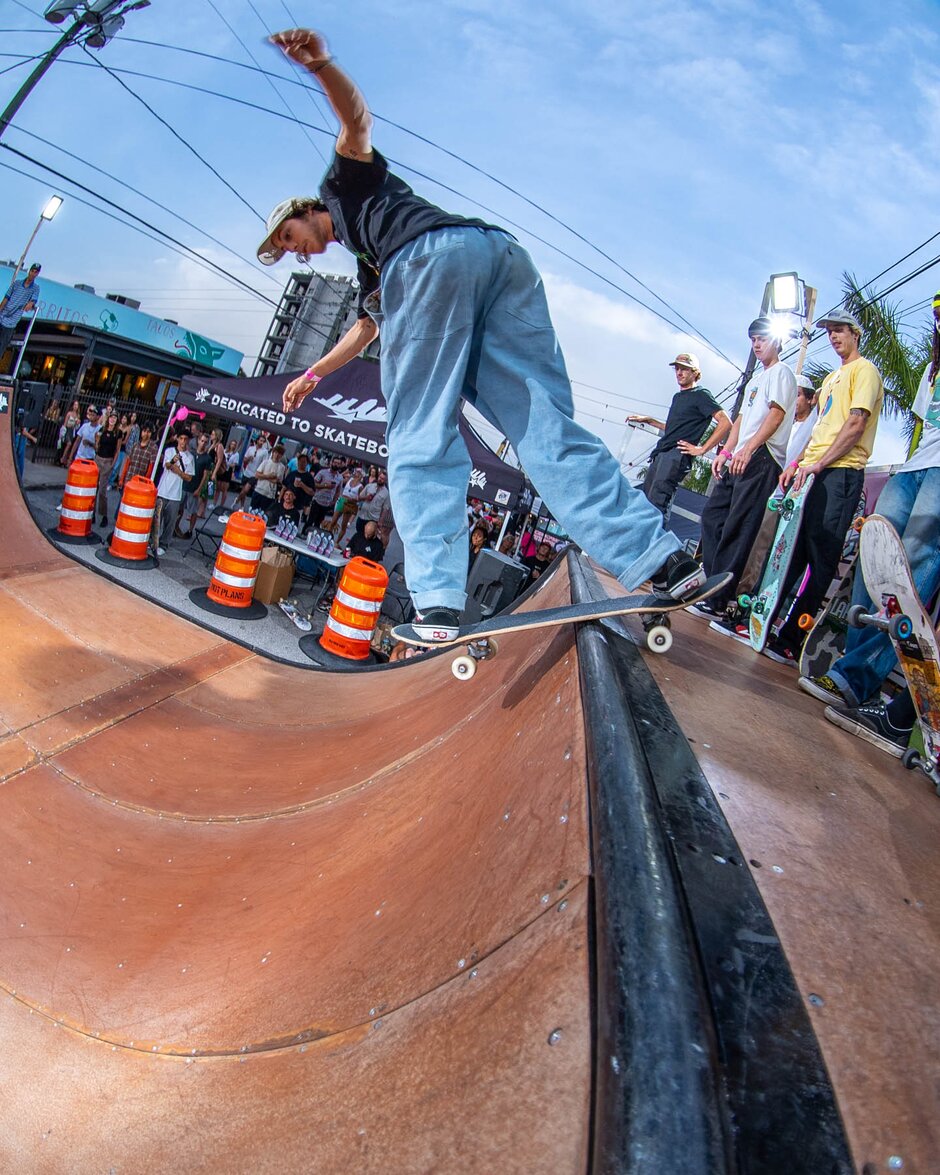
78	500
355	610
236	566
134	520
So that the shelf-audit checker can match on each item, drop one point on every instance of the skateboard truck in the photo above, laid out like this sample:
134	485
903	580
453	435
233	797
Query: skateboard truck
464	666
898	626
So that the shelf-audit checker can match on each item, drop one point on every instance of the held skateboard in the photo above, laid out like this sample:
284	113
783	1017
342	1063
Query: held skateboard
480	645
763	604
902	615
825	638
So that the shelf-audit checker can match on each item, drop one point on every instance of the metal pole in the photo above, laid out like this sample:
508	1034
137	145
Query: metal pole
19	358
19	264
804	340
23	92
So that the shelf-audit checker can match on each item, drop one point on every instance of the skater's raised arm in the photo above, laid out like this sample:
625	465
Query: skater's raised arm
351	344
309	48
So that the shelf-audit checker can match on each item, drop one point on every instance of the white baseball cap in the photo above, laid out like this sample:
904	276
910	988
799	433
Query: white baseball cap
268	252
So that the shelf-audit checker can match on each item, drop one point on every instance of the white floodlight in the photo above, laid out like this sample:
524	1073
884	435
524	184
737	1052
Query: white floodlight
786	293
784	326
53	205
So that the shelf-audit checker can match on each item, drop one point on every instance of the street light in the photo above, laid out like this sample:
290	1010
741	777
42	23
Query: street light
52	206
786	293
789	301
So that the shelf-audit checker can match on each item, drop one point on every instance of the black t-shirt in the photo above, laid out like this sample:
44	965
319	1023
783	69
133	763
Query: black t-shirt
305	478
374	213
108	443
279	512
367	548
202	462
689	414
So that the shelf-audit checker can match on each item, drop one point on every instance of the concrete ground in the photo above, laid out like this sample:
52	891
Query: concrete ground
181	569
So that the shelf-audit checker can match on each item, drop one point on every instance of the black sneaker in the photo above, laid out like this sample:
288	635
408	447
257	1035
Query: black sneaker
870	722
731	626
777	650
436	624
705	609
680	576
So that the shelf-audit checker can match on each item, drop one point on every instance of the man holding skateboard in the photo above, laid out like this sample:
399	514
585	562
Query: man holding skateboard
747	469
837	453
463	316
690	412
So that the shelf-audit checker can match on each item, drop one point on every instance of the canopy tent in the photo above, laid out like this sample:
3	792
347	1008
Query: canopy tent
345	414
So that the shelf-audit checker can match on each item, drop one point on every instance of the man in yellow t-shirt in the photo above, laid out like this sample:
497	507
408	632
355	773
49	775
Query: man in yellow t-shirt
838	450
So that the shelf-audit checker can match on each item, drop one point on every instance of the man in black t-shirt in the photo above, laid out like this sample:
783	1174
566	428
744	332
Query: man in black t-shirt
463	315
689	414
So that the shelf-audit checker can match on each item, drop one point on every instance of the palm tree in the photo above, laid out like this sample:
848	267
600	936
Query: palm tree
900	360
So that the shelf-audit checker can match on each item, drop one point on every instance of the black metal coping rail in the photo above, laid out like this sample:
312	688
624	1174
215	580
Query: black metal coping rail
705	1058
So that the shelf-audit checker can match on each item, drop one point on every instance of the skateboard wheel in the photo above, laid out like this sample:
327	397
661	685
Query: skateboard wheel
774	505
911	759
805	622
855	614
659	639
744	601
463	668
900	627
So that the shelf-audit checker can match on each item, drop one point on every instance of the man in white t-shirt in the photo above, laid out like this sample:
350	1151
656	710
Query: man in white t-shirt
747	469
85	437
804	421
255	456
178	466
268	478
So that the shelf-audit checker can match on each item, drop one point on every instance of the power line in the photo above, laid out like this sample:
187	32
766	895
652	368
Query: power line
205	261
189	147
438	183
263	272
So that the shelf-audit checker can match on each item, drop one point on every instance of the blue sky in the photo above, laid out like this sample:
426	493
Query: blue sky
700	146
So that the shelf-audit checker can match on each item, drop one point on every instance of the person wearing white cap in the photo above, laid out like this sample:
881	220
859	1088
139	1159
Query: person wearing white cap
836	456
747	470
463	315
690	412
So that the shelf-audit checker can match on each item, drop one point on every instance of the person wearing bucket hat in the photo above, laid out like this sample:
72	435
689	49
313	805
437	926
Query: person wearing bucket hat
836	455
911	503
463	315
690	412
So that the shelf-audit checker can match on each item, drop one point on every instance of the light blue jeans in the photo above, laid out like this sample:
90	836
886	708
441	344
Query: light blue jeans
911	503
464	315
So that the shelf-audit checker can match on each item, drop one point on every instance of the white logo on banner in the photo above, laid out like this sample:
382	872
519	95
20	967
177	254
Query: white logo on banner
502	497
202	395
478	479
349	409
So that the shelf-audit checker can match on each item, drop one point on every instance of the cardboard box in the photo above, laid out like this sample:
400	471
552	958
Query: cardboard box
275	576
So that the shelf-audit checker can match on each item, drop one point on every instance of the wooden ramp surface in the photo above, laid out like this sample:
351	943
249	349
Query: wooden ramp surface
260	919
845	847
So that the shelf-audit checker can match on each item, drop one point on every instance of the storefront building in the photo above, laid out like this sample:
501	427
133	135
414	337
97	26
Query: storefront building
107	347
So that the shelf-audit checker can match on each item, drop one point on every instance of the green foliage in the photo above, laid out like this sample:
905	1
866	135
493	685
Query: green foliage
901	359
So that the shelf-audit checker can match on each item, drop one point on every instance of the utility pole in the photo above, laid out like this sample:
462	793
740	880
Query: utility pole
96	22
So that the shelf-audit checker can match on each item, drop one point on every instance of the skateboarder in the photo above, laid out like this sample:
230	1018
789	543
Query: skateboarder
691	409
747	470
837	453
463	315
911	503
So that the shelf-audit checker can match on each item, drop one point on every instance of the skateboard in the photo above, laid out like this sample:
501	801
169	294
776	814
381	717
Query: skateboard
763	604
825	637
902	615
293	612
480	645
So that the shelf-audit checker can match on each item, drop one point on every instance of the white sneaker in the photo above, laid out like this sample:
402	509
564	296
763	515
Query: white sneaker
160	551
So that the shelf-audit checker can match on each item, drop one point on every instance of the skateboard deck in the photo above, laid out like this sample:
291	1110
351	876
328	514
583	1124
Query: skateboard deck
478	637
763	604
900	612
825	641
